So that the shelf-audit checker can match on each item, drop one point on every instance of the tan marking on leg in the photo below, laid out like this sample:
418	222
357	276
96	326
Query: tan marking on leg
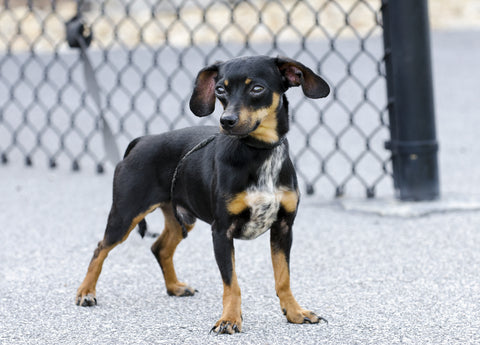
87	290
288	303
164	249
289	201
237	204
231	320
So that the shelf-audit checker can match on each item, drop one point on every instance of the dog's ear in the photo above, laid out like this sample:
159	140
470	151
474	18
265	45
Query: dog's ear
297	74
202	102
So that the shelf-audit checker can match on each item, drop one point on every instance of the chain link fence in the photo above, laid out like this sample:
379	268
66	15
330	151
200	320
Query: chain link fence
146	55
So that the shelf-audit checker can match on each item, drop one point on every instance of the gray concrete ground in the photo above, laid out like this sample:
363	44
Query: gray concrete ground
377	279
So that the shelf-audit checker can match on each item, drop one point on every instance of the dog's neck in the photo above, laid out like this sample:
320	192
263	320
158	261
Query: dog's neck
262	145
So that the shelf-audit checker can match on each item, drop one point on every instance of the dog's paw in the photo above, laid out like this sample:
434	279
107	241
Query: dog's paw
181	290
303	316
86	300
227	327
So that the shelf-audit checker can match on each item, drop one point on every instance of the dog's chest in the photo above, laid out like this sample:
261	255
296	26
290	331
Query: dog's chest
263	198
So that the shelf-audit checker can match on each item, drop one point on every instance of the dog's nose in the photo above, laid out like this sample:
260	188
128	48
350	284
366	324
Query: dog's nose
228	121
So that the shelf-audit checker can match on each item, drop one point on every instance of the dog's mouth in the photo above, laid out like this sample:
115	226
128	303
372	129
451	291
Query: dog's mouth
257	124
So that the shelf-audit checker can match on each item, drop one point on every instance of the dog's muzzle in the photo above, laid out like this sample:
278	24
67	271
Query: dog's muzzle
228	121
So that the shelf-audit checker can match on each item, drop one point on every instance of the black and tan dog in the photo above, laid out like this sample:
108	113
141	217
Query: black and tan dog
239	179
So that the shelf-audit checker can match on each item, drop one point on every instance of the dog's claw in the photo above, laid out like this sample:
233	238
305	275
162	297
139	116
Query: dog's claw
182	291
304	316
86	301
226	327
223	328
313	315
187	293
319	319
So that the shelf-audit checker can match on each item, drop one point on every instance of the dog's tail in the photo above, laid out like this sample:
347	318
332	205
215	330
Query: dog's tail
142	228
131	146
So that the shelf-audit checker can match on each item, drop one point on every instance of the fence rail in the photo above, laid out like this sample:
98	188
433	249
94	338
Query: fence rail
146	54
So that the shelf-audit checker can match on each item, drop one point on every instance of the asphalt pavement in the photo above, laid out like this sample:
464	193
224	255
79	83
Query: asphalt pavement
377	277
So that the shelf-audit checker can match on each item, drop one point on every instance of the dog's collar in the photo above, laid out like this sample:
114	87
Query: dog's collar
262	145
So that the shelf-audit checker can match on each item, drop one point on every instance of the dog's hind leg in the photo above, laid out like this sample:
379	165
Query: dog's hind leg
164	248
118	228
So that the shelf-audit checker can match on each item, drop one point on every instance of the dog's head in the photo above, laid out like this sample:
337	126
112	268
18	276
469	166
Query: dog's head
250	90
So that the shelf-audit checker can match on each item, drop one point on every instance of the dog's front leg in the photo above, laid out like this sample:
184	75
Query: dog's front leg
231	320
280	243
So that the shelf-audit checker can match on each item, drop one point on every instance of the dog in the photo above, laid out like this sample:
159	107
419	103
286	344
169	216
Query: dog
237	177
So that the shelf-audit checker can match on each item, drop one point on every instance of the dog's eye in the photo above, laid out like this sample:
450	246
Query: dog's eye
257	89
220	90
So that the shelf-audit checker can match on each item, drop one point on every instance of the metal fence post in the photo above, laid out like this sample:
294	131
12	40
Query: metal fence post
410	92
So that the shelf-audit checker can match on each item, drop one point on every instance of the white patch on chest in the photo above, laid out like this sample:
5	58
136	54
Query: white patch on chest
263	198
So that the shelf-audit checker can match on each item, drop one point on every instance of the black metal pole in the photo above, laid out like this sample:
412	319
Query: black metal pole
410	92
